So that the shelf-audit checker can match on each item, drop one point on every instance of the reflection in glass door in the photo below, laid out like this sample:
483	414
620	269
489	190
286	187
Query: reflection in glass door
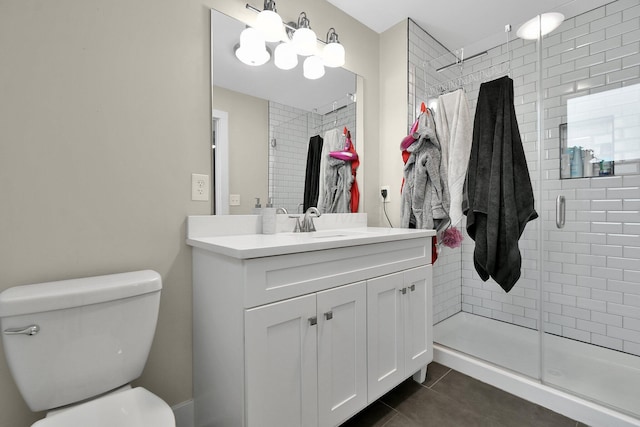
591	241
471	316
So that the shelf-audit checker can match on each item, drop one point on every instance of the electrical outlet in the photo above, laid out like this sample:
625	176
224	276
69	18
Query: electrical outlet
388	198
234	200
199	187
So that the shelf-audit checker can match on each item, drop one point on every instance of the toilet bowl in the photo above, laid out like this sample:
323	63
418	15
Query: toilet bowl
135	407
73	347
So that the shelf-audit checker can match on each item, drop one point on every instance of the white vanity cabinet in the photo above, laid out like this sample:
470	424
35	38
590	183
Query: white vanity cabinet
309	353
304	331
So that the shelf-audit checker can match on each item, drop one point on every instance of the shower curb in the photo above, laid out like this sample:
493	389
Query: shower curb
571	406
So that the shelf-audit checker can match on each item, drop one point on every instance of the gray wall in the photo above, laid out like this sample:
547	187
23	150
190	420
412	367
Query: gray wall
104	114
248	167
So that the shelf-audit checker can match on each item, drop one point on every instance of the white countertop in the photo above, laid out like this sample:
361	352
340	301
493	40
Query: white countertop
247	246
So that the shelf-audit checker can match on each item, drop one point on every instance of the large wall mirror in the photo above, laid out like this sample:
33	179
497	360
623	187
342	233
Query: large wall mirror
263	119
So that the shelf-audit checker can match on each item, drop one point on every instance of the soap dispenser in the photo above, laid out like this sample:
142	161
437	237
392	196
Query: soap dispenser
269	218
257	209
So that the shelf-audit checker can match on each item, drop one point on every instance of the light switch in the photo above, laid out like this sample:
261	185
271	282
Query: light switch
199	187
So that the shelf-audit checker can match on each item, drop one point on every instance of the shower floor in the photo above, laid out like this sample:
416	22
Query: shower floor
607	376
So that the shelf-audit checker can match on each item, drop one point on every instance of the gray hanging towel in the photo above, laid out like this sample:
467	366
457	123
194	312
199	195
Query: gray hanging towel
498	197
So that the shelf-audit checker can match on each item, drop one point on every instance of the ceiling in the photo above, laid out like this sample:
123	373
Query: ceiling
472	24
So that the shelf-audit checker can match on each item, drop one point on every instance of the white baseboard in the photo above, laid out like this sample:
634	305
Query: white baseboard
184	414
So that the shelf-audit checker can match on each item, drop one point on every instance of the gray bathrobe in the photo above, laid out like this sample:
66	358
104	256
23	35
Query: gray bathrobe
337	188
334	193
425	194
498	198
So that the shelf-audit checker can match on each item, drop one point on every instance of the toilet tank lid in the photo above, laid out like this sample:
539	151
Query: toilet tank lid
70	293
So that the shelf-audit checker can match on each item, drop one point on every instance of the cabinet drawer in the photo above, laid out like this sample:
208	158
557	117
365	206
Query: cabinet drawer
271	279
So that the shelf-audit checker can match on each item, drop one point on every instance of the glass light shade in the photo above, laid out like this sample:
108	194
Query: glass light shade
270	25
304	40
285	56
254	59
313	68
540	25
333	55
252	50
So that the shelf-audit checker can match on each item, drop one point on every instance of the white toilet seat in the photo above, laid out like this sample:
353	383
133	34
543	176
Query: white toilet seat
136	407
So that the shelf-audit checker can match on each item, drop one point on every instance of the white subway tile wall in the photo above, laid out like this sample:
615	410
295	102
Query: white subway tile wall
592	266
425	56
290	129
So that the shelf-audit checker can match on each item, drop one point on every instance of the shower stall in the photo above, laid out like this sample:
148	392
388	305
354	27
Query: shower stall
567	336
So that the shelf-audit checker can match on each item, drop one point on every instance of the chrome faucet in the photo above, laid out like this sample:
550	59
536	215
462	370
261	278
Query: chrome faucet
307	222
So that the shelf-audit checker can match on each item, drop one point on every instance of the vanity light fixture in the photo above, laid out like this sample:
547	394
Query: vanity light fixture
299	39
313	68
304	39
269	22
285	56
540	25
252	49
333	51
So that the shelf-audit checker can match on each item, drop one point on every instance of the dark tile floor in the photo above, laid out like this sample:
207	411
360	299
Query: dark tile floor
448	398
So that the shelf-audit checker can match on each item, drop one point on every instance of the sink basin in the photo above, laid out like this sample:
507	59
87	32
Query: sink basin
334	233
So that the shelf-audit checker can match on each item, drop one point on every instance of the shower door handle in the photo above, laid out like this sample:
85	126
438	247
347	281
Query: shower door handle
29	330
560	211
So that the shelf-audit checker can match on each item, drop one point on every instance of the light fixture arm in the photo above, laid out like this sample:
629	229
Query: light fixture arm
270	5
303	21
332	36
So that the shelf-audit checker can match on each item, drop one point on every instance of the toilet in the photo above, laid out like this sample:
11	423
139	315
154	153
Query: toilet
73	347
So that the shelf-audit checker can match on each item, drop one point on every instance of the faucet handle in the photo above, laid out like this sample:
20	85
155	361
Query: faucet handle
298	227
308	225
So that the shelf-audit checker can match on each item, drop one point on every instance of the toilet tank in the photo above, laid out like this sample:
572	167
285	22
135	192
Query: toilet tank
94	335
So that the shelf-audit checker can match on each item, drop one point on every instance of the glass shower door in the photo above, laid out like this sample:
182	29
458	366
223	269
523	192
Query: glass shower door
472	316
590	196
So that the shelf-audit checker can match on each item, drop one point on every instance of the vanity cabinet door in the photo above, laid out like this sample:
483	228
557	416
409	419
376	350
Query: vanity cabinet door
399	328
385	335
418	345
342	353
281	364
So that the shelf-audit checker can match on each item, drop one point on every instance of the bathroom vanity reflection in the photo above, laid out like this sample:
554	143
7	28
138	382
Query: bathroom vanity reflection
299	329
